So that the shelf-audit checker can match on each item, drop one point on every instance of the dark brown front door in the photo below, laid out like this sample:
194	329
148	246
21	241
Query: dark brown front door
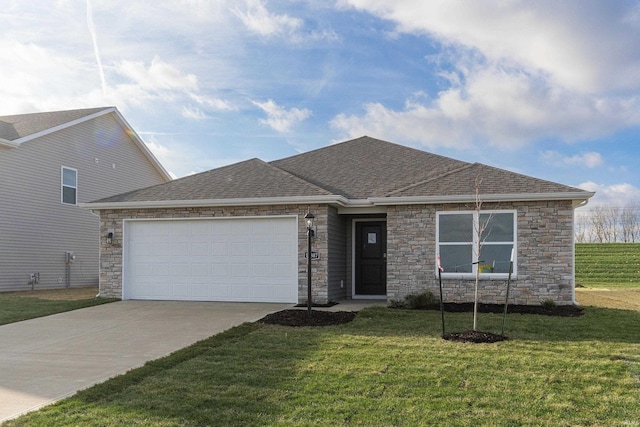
371	258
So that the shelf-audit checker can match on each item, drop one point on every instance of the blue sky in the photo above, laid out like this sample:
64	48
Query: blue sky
549	89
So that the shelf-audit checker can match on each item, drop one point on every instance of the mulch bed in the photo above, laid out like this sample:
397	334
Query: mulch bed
474	337
559	310
302	318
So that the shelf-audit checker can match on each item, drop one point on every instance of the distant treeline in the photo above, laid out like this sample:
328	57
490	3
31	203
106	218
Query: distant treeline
608	224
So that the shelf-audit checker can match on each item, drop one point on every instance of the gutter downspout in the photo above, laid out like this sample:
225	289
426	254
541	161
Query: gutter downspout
573	251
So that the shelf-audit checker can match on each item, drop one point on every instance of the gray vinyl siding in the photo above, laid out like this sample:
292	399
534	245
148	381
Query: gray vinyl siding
36	229
337	259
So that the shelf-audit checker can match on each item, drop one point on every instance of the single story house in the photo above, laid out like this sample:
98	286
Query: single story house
384	214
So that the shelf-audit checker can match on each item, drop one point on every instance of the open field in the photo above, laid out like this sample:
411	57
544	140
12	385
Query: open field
608	265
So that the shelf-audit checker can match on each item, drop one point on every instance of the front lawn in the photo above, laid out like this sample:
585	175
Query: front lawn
18	306
388	367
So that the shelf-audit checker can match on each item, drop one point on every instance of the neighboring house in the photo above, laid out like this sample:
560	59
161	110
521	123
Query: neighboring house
383	212
49	164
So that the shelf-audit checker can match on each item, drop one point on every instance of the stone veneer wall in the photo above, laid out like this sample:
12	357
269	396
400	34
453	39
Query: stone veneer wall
544	260
111	254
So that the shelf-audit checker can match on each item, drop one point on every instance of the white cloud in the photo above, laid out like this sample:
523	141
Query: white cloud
515	72
262	22
494	108
159	75
259	20
590	159
617	195
279	118
213	103
193	113
584	46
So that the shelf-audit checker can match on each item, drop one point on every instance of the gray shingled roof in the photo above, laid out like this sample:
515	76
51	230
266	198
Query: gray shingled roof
490	181
245	180
366	167
358	169
21	125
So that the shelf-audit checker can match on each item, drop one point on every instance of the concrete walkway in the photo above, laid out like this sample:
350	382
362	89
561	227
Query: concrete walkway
46	359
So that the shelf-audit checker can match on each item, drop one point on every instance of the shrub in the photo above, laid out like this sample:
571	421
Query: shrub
549	304
420	301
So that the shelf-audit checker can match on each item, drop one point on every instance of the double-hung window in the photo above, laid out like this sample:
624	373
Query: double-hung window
69	181
469	241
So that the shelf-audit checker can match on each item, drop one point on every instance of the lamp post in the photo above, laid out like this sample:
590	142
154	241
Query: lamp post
309	217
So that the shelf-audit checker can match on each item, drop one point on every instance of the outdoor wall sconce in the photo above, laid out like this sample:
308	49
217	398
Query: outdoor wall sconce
109	237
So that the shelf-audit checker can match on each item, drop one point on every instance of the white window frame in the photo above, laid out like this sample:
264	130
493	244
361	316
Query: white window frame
476	244
63	185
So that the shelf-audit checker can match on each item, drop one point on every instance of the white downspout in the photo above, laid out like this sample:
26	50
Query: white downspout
573	251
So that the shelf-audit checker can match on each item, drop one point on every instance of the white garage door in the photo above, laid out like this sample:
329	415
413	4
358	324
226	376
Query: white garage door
229	259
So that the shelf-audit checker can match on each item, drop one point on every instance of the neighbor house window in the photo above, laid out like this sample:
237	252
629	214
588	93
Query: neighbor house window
471	240
69	186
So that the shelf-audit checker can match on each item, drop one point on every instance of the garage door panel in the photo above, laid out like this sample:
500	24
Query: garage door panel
219	270
240	270
200	291
283	248
253	259
262	270
180	291
262	249
199	270
199	249
240	249
280	270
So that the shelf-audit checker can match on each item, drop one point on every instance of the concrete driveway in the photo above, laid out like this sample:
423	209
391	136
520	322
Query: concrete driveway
46	359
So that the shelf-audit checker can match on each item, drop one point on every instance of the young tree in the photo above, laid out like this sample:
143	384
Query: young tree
480	226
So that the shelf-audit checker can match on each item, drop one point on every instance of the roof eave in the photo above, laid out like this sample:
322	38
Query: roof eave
253	201
577	197
580	196
7	143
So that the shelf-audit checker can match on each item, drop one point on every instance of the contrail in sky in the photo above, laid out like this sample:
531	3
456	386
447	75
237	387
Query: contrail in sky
95	47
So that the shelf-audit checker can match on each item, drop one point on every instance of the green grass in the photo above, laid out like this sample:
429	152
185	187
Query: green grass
608	265
388	367
15	308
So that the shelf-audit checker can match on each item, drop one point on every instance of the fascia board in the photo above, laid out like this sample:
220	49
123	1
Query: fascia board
351	204
518	197
257	201
141	144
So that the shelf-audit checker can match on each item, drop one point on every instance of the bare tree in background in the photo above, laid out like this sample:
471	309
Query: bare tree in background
629	223
608	224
